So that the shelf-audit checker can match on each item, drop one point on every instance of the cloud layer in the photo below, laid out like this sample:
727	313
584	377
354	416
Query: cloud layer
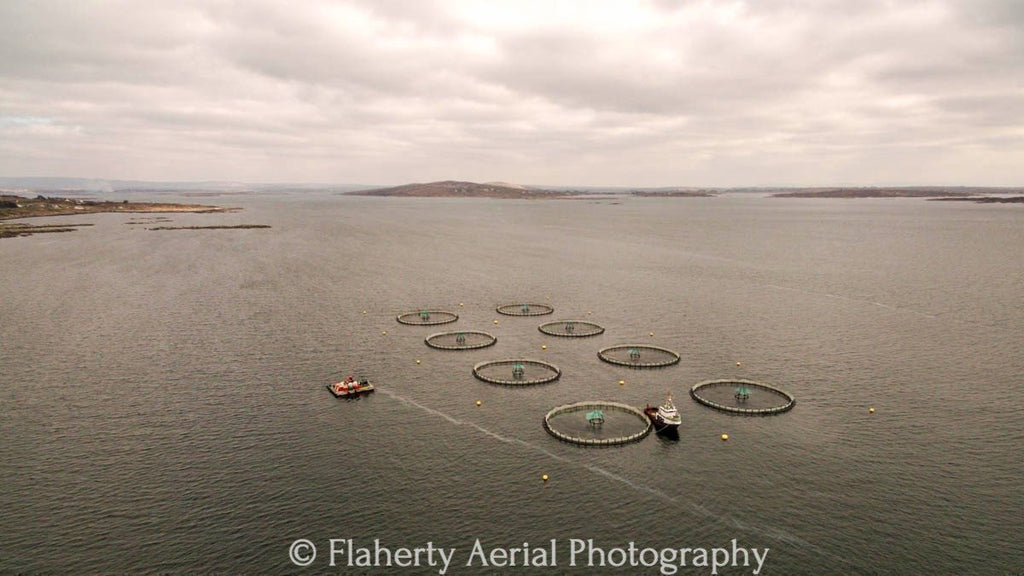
702	93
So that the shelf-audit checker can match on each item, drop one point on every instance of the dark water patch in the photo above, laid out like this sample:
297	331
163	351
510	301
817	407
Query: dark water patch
163	408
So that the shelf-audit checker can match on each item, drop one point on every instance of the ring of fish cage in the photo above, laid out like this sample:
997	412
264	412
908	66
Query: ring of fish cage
516	372
739	396
525	309
571	328
427	317
597	423
462	340
639	356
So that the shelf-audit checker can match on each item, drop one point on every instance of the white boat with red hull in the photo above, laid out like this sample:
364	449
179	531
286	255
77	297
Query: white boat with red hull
665	418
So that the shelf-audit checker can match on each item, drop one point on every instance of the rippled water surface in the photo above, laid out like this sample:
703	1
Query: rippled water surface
162	401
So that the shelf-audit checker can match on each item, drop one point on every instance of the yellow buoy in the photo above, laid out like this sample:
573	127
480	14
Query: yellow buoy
589	312
725	437
461	304
495	322
622	382
383	332
478	403
871	410
417	361
544	477
739	363
364	311
652	334
543	346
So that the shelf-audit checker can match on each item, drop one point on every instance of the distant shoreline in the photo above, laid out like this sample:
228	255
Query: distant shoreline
457	189
671	194
984	199
82	200
931	192
12	207
17	207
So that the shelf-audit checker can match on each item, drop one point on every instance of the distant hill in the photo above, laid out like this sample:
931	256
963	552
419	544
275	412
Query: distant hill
455	189
506	185
94	186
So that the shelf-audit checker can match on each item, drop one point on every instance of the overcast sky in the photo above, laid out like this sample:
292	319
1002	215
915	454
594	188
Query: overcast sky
657	93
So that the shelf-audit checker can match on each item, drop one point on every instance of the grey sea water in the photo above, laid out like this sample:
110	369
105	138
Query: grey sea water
162	401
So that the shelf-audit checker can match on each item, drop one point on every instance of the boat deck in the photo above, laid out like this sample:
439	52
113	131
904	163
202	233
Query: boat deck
363	389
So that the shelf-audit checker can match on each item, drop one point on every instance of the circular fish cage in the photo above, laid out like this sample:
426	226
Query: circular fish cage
516	372
738	396
619	423
571	328
464	340
427	317
525	309
639	356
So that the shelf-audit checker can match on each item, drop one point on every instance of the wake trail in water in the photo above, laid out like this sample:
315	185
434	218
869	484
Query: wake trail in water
850	299
457	422
769	532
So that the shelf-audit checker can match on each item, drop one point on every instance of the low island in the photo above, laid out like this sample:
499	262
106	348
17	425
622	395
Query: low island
672	194
457	189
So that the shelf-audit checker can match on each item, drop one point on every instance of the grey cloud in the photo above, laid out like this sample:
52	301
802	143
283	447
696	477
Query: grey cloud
693	92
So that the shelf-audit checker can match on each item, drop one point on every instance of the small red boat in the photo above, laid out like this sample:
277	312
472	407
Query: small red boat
350	388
